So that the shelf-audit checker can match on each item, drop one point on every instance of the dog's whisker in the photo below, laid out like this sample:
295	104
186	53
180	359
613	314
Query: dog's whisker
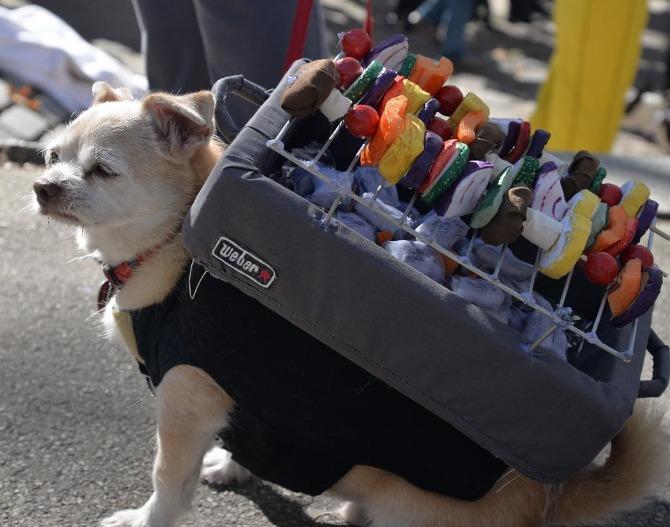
505	477
508	483
79	258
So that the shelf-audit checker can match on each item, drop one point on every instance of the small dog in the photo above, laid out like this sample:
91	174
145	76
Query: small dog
125	173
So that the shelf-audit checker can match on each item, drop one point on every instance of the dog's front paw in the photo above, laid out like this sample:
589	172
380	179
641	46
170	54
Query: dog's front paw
127	518
218	468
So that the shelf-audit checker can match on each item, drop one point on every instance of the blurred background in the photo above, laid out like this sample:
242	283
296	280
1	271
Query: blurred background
76	422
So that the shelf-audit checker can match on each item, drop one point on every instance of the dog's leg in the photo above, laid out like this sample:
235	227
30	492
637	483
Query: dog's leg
192	408
218	468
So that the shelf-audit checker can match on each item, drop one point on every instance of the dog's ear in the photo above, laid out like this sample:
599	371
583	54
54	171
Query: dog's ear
182	121
104	92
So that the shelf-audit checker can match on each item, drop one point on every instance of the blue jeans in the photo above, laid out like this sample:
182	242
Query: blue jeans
453	15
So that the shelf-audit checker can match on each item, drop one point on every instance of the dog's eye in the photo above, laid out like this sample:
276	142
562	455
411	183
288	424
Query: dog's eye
100	171
53	157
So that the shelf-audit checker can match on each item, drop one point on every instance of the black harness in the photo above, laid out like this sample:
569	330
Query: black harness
304	415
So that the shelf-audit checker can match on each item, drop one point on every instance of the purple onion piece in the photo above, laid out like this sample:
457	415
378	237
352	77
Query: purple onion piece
538	142
422	164
444	201
645	219
393	40
544	169
645	299
379	88
429	110
510	138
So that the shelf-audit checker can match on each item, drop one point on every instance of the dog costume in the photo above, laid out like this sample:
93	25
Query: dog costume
304	414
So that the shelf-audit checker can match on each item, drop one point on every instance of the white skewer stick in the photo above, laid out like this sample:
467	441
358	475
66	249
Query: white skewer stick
658	231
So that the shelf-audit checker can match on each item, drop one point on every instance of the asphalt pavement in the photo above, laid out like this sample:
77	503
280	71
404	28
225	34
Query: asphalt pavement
76	419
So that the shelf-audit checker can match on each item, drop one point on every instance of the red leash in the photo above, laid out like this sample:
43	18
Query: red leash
299	32
369	25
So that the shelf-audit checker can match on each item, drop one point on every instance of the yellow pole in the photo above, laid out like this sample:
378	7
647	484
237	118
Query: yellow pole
598	44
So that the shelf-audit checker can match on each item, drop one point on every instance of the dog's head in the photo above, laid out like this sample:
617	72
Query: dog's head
126	163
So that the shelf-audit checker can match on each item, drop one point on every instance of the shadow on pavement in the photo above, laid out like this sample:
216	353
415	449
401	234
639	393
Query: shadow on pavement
279	509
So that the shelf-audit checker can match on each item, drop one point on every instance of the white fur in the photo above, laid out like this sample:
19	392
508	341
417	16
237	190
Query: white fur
218	468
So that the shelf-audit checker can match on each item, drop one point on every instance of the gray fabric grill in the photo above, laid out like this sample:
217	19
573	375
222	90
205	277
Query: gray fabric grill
543	416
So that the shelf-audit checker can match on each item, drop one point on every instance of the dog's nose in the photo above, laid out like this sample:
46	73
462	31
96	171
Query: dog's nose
45	191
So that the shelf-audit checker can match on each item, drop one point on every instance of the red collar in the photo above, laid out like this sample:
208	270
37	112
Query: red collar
117	276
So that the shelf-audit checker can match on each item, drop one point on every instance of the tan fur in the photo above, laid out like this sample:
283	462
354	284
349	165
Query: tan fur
636	466
162	148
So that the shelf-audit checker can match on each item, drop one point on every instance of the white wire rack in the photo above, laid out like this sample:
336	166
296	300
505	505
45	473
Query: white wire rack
561	315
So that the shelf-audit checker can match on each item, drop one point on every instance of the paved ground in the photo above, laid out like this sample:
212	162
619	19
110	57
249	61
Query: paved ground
76	420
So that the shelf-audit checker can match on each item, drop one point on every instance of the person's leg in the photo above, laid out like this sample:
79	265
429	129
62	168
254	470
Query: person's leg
596	55
455	17
252	40
172	46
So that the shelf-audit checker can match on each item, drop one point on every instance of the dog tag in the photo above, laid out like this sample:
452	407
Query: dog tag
105	294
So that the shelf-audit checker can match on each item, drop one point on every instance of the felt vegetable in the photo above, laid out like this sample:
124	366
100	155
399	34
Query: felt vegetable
464	194
349	69
431	75
466	129
362	121
626	288
335	106
441	128
391	124
488	138
355	43
629	233
445	170
635	194
526	174
309	87
537	143
645	219
615	230
601	173
416	96
449	97
427	113
379	87
418	172
584	202
358	88
610	194
407	65
511	135
564	254
507	224
403	150
522	141
490	203
390	52
581	173
394	90
651	282
638	251
598	223
547	192
601	268
541	229
470	103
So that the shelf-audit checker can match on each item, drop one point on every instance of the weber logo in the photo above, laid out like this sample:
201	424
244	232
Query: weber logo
244	262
